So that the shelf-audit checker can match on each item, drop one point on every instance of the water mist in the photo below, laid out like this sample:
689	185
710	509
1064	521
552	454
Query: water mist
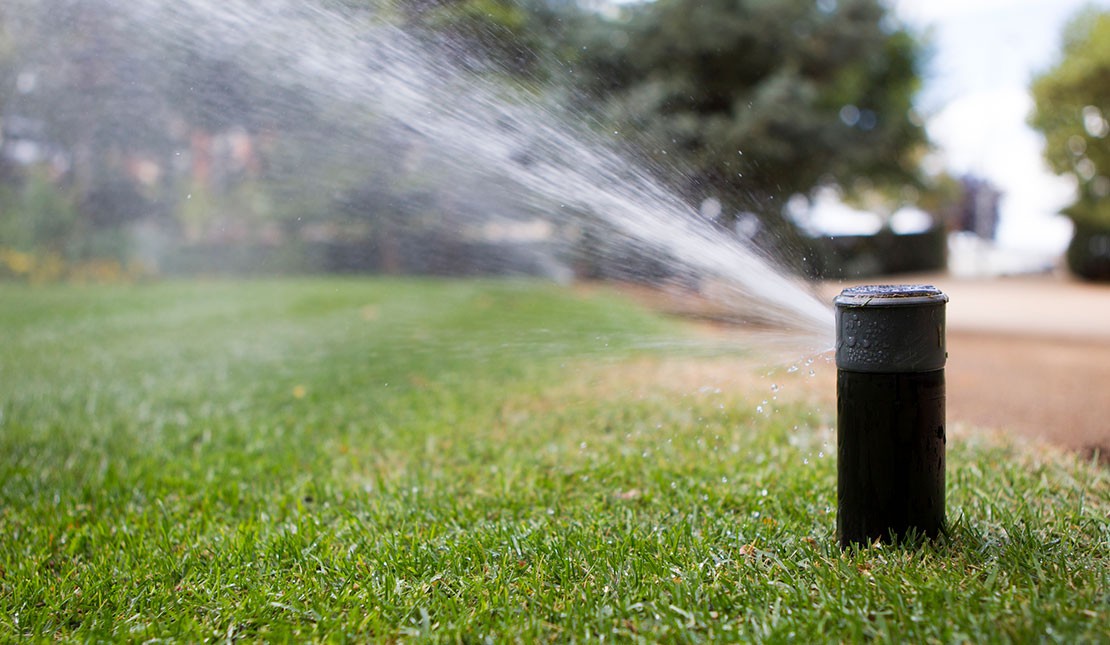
524	145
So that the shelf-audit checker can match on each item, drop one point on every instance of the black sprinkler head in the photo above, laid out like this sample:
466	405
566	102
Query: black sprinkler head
890	356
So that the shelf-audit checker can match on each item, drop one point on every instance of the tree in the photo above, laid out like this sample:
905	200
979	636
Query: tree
1071	104
747	100
527	40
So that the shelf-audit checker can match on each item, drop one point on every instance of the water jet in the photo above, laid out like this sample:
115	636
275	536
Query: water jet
890	357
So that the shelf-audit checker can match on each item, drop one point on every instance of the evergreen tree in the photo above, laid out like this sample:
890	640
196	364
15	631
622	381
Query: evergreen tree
753	100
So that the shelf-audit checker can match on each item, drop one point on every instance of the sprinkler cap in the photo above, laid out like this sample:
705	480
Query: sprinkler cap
890	329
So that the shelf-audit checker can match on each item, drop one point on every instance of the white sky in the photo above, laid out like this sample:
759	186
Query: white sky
976	100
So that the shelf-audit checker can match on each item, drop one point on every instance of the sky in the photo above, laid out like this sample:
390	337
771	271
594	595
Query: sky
976	101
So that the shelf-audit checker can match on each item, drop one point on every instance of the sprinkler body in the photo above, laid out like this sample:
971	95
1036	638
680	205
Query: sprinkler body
890	356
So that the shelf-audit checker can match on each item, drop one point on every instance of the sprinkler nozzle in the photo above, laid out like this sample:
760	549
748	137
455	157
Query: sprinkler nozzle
890	356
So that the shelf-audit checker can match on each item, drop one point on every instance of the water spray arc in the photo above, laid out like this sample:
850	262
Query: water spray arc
890	357
383	87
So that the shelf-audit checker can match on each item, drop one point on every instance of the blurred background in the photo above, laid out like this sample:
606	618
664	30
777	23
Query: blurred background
854	137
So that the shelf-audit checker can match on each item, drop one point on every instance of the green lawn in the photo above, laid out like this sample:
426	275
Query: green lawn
468	461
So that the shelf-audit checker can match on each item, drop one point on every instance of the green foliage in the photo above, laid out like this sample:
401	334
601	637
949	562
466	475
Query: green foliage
498	26
1072	109
38	216
43	238
460	462
760	99
519	37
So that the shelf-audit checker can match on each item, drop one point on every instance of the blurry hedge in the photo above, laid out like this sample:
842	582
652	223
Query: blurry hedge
399	255
1089	252
886	253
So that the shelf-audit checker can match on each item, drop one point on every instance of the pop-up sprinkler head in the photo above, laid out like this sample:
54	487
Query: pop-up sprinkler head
890	355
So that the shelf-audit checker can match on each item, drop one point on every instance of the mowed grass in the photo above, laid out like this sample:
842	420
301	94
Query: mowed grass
353	460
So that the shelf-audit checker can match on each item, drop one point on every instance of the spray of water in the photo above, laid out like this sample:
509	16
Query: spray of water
358	66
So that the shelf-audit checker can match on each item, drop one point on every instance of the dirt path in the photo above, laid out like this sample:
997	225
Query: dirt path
1050	389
